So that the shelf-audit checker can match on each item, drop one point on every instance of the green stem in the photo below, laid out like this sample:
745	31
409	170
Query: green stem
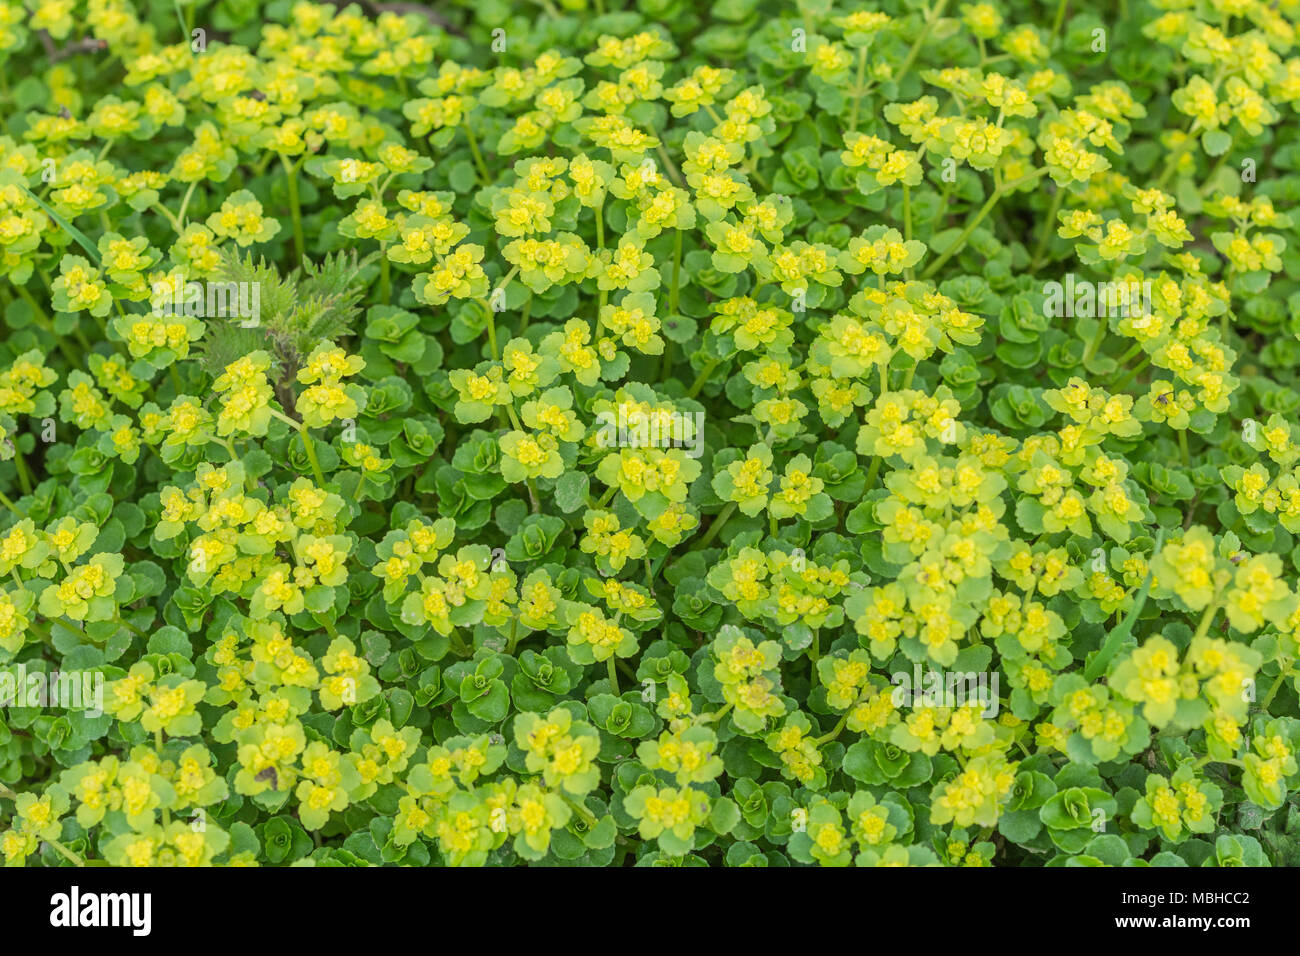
1059	18
751	167
673	173
67	854
700	379
718	714
129	626
1117	637
171	218
1124	359
185	203
528	308
857	89
674	291
492	334
1208	617
718	521
1176	157
994	198
310	445
843	721
1208	759
484	176
1133	373
666	362
1097	339
1049	227
872	472
1182	448
907	211
1277	685
612	664
45	323
24	476
582	811
295	207
912	54
1209	177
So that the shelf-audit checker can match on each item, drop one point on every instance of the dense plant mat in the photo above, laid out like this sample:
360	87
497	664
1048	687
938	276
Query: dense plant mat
746	433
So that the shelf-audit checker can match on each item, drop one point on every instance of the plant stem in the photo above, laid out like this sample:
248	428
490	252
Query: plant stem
129	626
24	476
310	446
1208	759
612	665
665	364
1277	685
705	372
718	521
1209	177
979	217
857	89
484	176
1097	666
844	719
1176	157
73	858
528	308
907	211
931	19
171	218
492	334
718	714
1059	18
45	323
1133	373
1207	617
1095	345
1124	359
185	203
872	472
295	208
582	811
674	291
1049	226
673	172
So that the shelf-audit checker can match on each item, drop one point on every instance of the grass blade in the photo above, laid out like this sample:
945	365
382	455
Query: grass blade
82	239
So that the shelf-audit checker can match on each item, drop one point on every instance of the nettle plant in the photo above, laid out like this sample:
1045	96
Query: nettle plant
680	434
